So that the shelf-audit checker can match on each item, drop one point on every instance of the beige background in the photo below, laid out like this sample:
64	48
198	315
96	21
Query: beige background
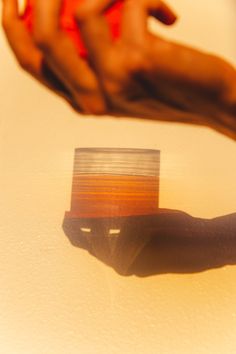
55	298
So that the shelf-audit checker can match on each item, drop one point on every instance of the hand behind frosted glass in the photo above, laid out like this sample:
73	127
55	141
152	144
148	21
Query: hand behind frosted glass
169	242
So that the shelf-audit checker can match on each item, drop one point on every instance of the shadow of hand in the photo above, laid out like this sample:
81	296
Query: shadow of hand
168	242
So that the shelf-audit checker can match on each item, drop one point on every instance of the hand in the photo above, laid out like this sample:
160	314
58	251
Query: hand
76	74
136	75
169	242
146	76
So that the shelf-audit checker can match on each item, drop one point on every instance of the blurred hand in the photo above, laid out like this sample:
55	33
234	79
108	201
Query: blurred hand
139	75
29	57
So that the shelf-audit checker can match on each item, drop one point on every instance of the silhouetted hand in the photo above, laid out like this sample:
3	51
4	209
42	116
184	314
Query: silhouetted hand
139	75
169	242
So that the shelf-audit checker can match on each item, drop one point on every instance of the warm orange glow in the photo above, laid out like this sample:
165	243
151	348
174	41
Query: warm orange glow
110	195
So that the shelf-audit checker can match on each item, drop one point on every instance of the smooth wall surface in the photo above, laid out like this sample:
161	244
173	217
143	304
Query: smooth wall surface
55	298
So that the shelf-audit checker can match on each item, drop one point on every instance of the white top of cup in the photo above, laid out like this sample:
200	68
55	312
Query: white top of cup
117	161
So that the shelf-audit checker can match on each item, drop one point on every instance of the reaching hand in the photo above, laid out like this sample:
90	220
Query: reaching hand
139	75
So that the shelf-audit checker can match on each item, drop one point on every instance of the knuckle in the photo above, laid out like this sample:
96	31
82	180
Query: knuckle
136	62
88	106
44	39
112	87
25	64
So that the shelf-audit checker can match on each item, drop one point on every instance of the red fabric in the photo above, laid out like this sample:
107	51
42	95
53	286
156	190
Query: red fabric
69	25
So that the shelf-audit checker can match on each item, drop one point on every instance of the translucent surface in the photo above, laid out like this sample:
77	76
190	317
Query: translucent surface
115	182
117	161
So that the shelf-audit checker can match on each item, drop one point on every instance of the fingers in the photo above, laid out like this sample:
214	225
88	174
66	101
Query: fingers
134	19
162	12
134	23
31	58
46	20
61	55
28	56
96	32
94	29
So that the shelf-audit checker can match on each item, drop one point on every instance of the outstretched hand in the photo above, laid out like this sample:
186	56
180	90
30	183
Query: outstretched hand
139	75
170	241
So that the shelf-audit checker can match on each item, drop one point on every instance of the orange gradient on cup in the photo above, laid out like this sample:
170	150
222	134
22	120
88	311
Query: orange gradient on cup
115	182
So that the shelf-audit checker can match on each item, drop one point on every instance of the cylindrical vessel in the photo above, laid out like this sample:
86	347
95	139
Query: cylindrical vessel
110	182
114	191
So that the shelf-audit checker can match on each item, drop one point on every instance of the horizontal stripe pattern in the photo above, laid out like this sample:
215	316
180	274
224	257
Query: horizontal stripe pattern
141	162
102	195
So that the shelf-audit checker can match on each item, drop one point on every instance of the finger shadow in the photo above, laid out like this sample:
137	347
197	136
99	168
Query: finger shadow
168	242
